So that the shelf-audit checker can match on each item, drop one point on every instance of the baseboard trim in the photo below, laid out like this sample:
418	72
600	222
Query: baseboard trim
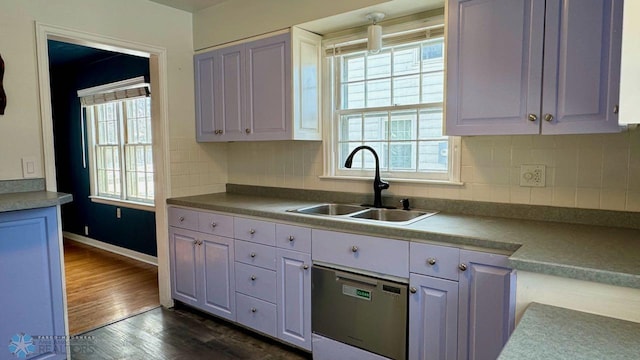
112	248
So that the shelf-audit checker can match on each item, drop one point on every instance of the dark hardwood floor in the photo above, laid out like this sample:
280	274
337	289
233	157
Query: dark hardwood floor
103	287
178	333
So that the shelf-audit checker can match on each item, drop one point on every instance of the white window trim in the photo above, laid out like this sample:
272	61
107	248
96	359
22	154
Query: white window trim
91	129
330	135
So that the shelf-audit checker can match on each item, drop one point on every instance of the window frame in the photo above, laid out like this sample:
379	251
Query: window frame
334	170
89	111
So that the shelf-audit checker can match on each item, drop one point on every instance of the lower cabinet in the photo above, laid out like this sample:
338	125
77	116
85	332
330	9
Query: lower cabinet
433	318
294	297
202	271
32	322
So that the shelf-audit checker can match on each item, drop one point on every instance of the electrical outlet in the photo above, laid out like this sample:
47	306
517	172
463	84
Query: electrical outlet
86	229
118	213
532	175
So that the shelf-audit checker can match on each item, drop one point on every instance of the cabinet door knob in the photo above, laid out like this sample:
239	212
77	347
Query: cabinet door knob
253	277
252	254
431	261
305	266
213	224
616	109
252	231
548	117
195	242
181	218
291	238
413	290
354	249
462	267
532	117
253	310
247	130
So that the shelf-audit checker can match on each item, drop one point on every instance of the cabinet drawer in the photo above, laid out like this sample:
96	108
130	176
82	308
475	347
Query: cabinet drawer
434	260
293	238
384	256
256	314
216	224
256	254
183	218
257	231
255	281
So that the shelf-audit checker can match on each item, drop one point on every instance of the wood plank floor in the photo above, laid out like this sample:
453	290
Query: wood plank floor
103	287
178	333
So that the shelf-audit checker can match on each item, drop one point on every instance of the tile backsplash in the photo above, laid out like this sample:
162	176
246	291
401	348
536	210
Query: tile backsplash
600	171
197	168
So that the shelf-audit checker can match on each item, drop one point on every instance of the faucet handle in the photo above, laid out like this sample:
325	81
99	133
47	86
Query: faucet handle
405	204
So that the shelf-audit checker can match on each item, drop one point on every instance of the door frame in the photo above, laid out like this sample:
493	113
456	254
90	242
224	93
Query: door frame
158	73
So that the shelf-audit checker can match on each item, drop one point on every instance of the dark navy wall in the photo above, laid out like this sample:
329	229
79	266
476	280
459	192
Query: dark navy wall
135	229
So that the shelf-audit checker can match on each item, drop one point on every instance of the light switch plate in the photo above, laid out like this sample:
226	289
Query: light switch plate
532	175
29	167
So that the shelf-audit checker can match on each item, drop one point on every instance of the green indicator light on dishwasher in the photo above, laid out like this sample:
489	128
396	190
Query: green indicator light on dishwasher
363	294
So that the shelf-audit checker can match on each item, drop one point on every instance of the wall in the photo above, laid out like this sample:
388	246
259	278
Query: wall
134	21
134	228
583	171
239	19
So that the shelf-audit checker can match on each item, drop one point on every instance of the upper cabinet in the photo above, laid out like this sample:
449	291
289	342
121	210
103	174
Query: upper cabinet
265	89
533	66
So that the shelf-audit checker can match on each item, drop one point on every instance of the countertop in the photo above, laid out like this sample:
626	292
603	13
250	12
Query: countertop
586	252
32	200
549	332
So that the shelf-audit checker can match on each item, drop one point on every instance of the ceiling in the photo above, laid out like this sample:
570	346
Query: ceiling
189	5
62	53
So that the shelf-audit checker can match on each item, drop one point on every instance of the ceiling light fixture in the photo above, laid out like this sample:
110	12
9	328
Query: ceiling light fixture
374	38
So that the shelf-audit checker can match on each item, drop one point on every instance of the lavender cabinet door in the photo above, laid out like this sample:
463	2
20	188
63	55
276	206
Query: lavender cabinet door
31	281
433	318
581	66
183	253
230	93
218	280
269	88
486	305
294	298
494	66
206	106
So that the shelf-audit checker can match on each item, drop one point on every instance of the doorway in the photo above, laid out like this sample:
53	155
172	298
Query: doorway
53	168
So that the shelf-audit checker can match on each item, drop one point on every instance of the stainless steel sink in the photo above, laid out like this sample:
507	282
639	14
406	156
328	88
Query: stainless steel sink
393	215
331	209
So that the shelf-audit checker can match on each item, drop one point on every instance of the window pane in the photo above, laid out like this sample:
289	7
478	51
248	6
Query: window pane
433	155
406	61
375	126
402	156
403	125
379	65
369	161
353	68
379	93
353	96
149	159
432	55
433	87
430	123
345	150
350	128
406	90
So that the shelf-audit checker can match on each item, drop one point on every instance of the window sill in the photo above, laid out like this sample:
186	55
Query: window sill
393	180
123	203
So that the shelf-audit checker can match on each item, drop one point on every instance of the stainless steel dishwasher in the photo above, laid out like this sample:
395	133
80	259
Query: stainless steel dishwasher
362	311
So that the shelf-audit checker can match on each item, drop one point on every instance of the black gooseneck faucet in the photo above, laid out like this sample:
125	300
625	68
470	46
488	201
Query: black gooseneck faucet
378	184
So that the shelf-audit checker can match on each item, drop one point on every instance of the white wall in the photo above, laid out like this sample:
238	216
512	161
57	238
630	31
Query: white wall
134	21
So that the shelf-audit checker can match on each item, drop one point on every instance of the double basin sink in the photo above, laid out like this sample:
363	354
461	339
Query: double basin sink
366	213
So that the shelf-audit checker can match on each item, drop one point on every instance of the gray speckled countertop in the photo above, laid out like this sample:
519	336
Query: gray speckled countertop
549	332
32	200
593	253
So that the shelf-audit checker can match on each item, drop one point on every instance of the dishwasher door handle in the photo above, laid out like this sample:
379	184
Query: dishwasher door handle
352	278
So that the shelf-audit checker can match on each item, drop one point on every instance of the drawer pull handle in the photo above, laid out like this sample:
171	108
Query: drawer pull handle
181	218
305	266
354	249
431	261
253	277
253	310
413	290
462	267
252	231
213	225
291	238
252	254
